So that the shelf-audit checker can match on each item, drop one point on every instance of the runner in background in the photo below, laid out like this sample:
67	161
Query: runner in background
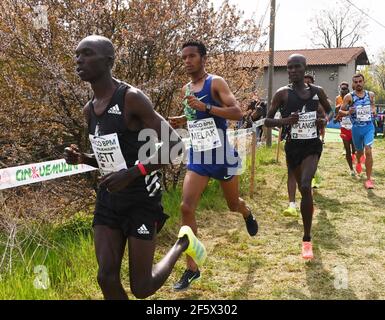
346	128
291	210
298	103
360	106
256	110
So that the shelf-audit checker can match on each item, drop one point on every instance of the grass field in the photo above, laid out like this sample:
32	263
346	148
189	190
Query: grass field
348	241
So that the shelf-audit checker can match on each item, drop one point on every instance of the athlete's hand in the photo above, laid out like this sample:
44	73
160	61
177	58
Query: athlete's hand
352	109
72	155
342	114
194	103
291	119
177	122
116	181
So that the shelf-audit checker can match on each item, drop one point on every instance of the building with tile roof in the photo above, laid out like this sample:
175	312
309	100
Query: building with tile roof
328	66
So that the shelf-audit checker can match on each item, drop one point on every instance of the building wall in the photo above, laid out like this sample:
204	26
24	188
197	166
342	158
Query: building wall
345	73
328	77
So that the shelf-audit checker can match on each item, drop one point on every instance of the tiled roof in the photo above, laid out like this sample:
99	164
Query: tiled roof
333	56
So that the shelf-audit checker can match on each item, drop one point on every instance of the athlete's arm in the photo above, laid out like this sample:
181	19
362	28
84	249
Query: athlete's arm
139	105
324	101
230	107
344	107
322	118
72	154
279	100
221	93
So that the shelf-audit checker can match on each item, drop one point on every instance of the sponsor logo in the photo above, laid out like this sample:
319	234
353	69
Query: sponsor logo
114	110
143	230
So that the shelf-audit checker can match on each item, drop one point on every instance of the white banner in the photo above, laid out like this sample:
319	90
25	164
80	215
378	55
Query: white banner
37	172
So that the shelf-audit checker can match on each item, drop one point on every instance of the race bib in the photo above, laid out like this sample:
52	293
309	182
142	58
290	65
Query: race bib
108	153
203	134
346	123
364	113
306	126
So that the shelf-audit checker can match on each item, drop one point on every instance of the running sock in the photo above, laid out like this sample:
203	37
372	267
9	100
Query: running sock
306	239
292	205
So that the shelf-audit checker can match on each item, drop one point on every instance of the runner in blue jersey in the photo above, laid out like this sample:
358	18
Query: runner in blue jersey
208	104
359	104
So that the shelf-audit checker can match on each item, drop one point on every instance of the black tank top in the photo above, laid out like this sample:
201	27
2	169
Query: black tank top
296	103
112	121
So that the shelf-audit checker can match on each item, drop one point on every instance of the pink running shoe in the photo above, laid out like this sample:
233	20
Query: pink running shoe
359	168
307	250
369	184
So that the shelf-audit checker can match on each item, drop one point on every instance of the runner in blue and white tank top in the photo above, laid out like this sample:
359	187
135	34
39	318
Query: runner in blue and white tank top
208	104
359	104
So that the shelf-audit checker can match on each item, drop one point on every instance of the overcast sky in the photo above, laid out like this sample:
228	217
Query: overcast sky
293	19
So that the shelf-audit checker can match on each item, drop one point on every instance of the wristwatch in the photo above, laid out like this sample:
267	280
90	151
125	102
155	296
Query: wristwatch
208	108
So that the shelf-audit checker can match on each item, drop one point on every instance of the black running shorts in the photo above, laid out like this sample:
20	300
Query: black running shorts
139	217
298	150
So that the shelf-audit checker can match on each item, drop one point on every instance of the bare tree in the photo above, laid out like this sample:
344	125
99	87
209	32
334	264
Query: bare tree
341	26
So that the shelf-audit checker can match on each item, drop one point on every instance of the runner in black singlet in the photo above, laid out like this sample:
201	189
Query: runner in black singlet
298	104
128	205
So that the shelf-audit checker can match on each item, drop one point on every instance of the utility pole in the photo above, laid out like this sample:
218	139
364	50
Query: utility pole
271	66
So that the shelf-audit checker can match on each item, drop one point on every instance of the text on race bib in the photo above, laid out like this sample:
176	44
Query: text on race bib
364	113
108	153
346	123
306	126
203	134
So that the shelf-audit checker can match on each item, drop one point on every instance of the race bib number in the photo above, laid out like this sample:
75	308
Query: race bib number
346	123
306	126
203	134
364	113
108	153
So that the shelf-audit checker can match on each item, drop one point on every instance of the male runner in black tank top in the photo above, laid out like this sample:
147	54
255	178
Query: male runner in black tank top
128	207
291	181
303	147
